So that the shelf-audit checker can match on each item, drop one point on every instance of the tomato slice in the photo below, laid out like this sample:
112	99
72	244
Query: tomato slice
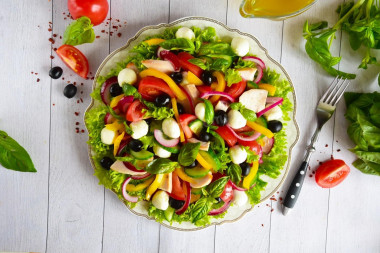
184	58
236	89
203	89
228	193
227	135
134	112
184	120
177	190
331	173
150	87
74	59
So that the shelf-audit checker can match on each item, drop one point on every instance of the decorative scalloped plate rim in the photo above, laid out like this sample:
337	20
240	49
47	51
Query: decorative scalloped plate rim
234	213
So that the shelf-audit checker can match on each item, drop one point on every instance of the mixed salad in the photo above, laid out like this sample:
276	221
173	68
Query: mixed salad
189	123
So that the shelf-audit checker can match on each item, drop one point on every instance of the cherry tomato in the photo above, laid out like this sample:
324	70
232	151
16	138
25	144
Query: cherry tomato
331	173
228	193
74	59
227	135
243	129
184	120
95	10
151	87
134	112
184	58
177	190
236	89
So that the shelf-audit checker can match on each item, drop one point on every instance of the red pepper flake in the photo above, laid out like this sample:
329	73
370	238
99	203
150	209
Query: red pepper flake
119	35
332	158
76	113
36	73
326	145
92	78
274	199
336	141
313	172
53	104
82	131
338	150
103	31
97	37
38	80
50	22
117	20
77	130
49	29
51	40
81	92
272	210
320	163
111	33
55	35
115	27
51	57
60	37
310	175
55	49
81	84
125	22
75	83
77	101
76	123
64	18
32	72
280	198
81	100
262	225
119	25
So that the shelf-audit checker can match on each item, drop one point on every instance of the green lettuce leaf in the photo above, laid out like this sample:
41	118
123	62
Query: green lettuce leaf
80	31
95	123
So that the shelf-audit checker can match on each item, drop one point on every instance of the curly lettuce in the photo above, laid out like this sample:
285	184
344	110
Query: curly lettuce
95	123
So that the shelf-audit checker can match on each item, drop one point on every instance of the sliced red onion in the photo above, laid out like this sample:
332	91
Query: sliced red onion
108	118
131	167
124	103
260	74
187	201
220	210
243	138
159	136
268	145
218	93
260	113
123	144
159	50
256	60
234	186
169	56
271	100
105	90
141	176
124	191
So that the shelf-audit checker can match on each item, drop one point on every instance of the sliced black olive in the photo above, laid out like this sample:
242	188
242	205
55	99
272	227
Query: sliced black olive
180	108
204	136
207	78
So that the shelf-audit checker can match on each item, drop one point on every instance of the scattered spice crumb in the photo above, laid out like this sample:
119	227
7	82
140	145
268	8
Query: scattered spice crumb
63	78
77	101
97	37
60	37
310	175
36	73
76	113
55	35
76	123
81	92
326	145
313	172
332	157
81	100
103	31
320	163
119	35
38	80
55	49
53	104
51	57
274	199
280	198
272	210
82	131
51	40
338	150
262	225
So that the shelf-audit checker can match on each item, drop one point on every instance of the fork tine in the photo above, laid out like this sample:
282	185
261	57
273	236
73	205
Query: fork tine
341	93
335	91
332	85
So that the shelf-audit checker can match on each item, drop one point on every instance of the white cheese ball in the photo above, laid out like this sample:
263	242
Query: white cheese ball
240	46
161	200
238	154
107	136
140	128
160	152
273	114
240	198
171	128
200	111
126	76
236	119
186	33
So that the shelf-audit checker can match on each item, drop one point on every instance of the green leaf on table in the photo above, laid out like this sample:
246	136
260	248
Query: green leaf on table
367	167
373	157
80	31
374	113
371	133
355	132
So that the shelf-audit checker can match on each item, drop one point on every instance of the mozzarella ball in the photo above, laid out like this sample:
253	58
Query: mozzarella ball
240	46
273	114
171	128
160	152
240	198
186	33
236	119
126	76
161	200
238	154
107	136
200	111
140	128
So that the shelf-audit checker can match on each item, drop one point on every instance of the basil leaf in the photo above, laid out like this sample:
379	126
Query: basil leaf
374	113
188	153
234	172
367	167
201	208
200	63
161	166
232	76
242	64
179	44
13	156
216	48
209	112
371	133
356	135
248	114
216	188
373	157
80	31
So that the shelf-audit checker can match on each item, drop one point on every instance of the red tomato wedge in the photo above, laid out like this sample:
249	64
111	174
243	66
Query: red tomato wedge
184	58
134	112
177	190
228	193
227	135
150	87
74	59
184	120
236	89
331	173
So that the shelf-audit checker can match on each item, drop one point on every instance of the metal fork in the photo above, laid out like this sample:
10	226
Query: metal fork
325	109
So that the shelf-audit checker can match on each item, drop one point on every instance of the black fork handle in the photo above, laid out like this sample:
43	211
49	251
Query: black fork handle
295	187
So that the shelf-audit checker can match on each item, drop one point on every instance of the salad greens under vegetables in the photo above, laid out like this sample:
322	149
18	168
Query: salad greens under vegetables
182	123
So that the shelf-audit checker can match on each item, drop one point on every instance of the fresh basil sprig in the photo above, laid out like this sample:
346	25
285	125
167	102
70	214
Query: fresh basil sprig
234	172
188	153
80	31
13	156
161	166
216	188
201	208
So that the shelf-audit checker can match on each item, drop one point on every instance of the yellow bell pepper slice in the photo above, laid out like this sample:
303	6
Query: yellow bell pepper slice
270	88
173	86
263	130
203	162
193	79
116	127
221	85
176	115
154	186
139	187
248	179
116	143
154	41
182	175
116	100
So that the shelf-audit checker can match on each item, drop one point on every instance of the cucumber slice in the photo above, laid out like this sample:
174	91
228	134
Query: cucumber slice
196	126
211	158
261	121
173	150
169	213
209	112
141	155
196	172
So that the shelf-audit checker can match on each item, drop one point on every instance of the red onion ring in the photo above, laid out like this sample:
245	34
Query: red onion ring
256	60
260	113
141	176
187	202
249	138
234	186
124	191
220	210
159	136
218	93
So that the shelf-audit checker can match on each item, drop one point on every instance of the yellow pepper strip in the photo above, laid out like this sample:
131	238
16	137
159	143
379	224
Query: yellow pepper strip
194	197
193	79
116	100
154	41
176	115
154	186
173	86
203	162
116	143
139	187
248	179
270	88
182	175
116	127
221	85
263	130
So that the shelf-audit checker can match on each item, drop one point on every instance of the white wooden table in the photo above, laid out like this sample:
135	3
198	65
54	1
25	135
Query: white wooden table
61	208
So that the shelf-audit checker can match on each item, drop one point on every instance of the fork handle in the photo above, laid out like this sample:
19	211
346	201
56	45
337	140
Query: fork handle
295	187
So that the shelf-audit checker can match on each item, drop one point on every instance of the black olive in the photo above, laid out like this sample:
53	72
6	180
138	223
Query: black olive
106	162
175	203
180	108
135	145
245	169
275	126
116	90
204	136
195	163
162	100
70	90
207	78
55	72
218	199
220	117
177	77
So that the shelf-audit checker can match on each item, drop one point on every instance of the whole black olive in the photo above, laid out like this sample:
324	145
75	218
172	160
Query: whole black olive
175	203
177	77
220	117
70	90
116	90
106	162
135	145
207	78
162	100
55	72
204	136
275	126
245	169
218	199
